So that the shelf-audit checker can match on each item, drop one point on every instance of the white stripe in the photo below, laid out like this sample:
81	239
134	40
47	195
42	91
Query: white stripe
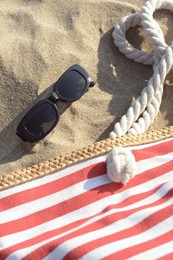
147	164
52	200
108	249
154	197
65	172
143	146
52	177
72	191
118	226
155	253
87	211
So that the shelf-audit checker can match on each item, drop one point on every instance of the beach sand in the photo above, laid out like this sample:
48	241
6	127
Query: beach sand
40	39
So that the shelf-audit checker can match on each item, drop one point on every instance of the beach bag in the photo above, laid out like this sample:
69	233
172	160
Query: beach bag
110	200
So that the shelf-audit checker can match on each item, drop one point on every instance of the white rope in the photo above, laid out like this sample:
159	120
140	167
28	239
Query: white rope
121	164
146	107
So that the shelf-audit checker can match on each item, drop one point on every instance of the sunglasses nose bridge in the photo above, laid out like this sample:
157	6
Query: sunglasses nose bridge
54	97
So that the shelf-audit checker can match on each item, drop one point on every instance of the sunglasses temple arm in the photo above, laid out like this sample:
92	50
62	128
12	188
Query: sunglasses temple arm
92	83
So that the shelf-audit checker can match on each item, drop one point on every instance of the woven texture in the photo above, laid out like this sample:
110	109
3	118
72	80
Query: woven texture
96	149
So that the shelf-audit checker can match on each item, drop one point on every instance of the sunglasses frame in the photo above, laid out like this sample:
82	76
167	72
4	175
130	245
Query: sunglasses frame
82	72
24	133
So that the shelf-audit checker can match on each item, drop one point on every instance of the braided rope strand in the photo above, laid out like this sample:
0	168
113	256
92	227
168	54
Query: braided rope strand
124	46
146	107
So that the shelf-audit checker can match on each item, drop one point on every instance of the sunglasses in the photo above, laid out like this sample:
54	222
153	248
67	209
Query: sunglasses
40	120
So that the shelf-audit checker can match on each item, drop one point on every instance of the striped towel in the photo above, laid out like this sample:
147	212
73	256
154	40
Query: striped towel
78	213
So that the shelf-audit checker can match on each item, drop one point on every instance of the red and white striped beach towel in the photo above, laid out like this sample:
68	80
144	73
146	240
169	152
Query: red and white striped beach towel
78	213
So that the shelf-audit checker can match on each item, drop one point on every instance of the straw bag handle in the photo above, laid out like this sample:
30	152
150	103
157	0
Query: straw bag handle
121	163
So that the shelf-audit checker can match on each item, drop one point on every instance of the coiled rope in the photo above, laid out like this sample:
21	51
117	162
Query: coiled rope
121	164
146	107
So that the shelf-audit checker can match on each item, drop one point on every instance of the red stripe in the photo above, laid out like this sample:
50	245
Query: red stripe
55	211
167	257
150	174
151	151
78	252
79	201
49	234
137	249
52	187
144	225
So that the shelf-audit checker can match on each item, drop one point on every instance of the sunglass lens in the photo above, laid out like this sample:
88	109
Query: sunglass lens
72	86
41	120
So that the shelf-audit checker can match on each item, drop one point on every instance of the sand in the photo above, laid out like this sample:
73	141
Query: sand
40	39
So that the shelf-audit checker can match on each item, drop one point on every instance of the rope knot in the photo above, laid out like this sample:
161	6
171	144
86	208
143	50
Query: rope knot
121	165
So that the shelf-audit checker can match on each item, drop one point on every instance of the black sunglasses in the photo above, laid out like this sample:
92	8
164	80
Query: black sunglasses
43	117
